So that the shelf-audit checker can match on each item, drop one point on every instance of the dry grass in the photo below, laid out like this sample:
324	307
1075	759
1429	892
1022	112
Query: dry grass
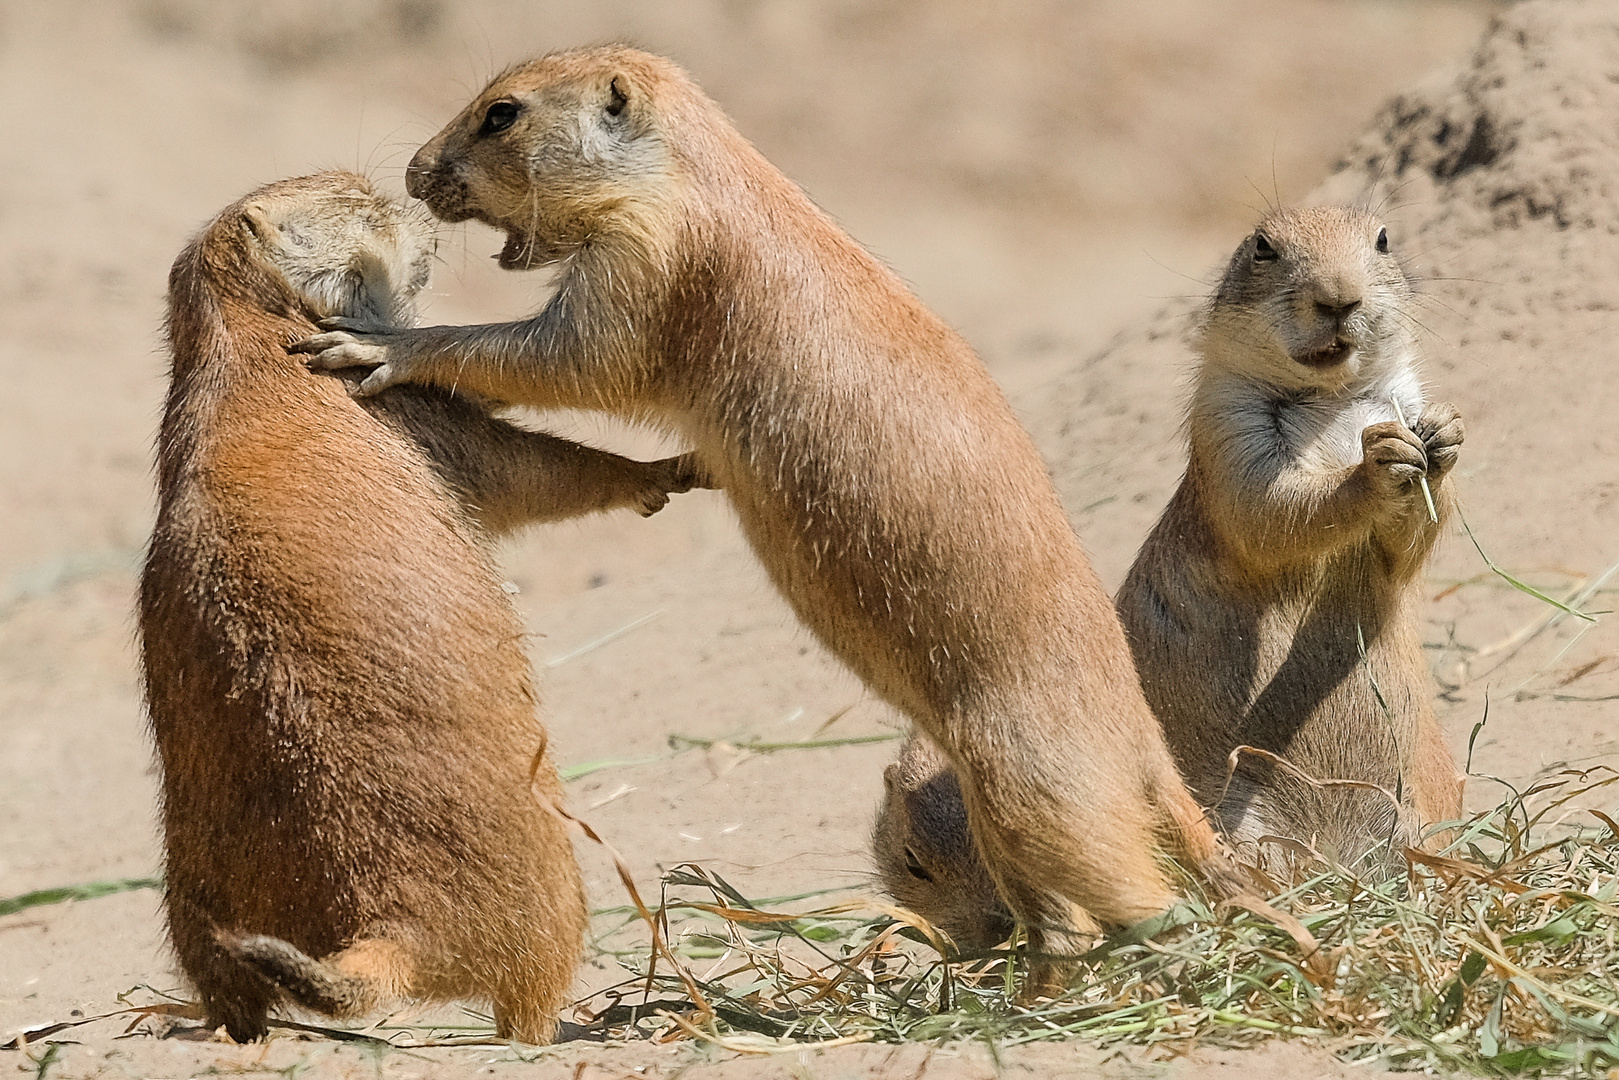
1497	957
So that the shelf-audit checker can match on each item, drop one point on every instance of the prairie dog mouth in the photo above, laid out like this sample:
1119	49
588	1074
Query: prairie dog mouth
1329	355
517	254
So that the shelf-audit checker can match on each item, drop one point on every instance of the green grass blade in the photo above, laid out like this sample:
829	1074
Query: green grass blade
89	891
585	768
1521	586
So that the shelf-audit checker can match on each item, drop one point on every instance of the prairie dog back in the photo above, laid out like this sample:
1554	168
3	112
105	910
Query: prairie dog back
1274	604
336	683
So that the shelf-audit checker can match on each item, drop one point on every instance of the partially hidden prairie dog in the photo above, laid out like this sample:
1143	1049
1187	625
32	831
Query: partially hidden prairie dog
336	681
1275	602
925	854
875	467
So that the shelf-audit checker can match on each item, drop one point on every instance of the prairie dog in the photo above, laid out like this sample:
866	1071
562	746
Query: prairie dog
1275	602
1243	604
336	682
876	469
925	854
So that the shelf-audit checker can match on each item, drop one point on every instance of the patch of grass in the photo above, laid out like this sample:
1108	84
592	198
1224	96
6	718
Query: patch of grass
88	891
1496	957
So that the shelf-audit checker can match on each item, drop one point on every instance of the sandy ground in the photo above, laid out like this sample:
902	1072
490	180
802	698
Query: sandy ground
1056	179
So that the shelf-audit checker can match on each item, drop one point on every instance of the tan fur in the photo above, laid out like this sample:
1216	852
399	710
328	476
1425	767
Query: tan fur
875	467
1296	541
1285	560
337	685
925	854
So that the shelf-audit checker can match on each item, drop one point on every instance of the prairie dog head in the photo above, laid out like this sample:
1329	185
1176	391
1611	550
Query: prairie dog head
341	247
1314	299
555	153
925	854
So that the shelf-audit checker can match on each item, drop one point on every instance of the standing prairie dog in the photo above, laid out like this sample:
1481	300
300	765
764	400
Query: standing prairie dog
1275	602
875	467
1299	520
336	681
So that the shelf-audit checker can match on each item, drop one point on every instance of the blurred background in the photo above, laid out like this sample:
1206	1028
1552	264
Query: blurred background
1070	163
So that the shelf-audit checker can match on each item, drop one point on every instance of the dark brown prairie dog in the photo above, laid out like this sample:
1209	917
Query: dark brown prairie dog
925	855
1275	602
875	467
336	682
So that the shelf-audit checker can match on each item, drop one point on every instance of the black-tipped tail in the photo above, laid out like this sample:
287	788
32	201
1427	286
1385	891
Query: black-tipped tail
306	980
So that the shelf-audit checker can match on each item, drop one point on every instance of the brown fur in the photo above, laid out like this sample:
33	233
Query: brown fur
337	685
1275	589
875	467
1275	602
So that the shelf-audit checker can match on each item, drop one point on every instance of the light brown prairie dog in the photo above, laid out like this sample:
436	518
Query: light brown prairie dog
875	467
1242	606
336	682
1275	603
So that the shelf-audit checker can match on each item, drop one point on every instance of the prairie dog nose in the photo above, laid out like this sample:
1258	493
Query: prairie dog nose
421	164
1337	312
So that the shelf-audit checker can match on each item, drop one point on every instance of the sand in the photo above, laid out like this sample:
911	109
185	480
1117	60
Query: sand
1058	180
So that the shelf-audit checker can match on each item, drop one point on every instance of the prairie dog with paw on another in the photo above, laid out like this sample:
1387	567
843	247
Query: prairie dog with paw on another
336	681
1275	602
876	469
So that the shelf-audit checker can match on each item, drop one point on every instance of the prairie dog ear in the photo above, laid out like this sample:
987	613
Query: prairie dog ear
274	231
892	778
619	93
260	224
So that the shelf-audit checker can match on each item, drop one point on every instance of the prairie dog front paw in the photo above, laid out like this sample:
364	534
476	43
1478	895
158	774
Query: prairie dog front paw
669	476
357	347
684	472
1394	457
1441	430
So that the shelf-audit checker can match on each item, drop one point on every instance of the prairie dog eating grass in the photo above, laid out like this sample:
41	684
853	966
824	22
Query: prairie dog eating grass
925	854
1275	603
1298	534
876	469
336	681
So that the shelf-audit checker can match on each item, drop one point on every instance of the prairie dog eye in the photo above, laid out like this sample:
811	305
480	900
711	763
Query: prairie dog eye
1263	251
1383	241
499	116
913	866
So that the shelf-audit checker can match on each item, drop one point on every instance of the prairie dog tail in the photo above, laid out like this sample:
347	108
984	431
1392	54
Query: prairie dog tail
352	983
